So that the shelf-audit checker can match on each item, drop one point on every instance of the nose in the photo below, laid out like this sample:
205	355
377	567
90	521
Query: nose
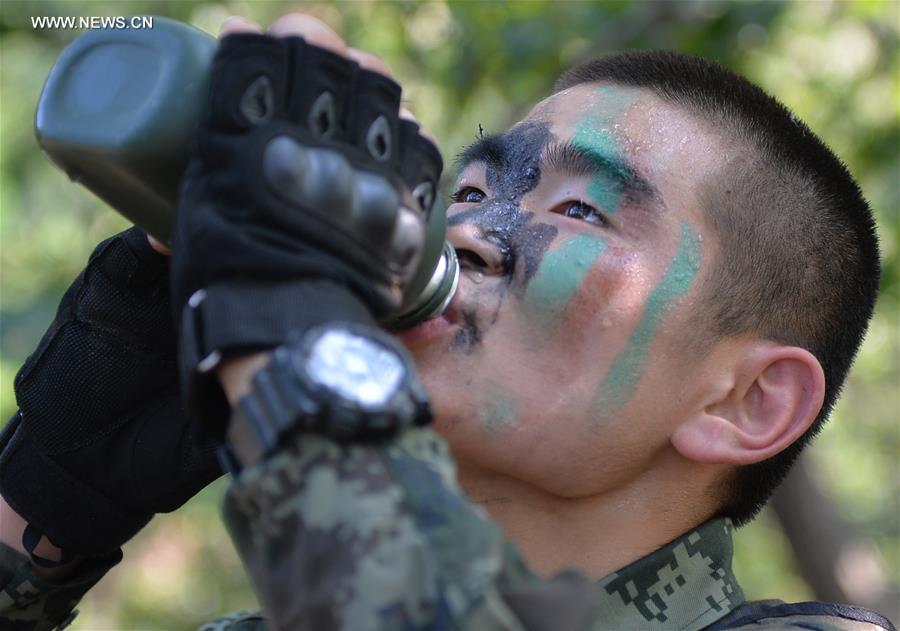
475	249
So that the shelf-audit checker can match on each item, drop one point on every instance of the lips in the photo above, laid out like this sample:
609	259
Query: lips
424	332
432	328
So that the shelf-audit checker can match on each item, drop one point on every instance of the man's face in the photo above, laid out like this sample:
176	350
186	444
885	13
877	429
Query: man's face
581	242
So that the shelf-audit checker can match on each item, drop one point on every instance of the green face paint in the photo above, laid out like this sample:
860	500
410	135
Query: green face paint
559	277
594	134
500	412
622	379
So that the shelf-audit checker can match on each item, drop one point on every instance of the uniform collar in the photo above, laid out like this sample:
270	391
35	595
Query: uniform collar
687	584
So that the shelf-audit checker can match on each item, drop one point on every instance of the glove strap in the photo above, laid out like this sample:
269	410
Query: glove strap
30	540
230	319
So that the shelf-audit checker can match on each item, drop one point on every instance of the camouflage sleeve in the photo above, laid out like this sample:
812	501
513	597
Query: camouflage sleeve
367	537
28	602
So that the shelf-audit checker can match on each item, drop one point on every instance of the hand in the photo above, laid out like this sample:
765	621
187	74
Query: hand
305	200
235	374
101	442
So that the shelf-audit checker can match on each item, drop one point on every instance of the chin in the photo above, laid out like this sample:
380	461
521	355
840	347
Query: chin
447	420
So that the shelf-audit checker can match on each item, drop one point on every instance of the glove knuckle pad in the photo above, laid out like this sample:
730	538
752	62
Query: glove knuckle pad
374	210
406	241
316	181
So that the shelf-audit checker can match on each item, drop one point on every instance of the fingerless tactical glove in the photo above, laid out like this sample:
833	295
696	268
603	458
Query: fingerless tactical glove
101	441
305	202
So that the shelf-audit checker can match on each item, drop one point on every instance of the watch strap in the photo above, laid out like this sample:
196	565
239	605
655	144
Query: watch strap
273	408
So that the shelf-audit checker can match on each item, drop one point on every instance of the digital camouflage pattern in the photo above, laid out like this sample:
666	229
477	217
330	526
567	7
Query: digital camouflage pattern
380	536
27	602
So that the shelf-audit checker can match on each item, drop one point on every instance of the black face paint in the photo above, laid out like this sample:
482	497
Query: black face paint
511	171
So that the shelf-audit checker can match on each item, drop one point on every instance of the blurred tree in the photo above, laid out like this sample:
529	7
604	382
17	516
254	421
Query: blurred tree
466	64
839	564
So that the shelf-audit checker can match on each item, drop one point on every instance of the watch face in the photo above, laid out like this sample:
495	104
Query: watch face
356	368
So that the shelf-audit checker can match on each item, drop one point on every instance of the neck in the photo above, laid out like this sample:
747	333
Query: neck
596	534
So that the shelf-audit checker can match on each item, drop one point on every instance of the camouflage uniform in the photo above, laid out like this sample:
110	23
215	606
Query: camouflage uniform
380	537
28	602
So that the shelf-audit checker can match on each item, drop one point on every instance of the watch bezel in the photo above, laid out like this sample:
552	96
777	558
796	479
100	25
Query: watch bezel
302	351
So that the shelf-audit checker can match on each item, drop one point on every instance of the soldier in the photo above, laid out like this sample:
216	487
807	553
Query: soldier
665	277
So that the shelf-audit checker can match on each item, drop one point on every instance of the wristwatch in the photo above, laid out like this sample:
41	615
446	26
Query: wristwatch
345	380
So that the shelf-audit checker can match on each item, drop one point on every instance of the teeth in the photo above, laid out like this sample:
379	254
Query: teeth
476	277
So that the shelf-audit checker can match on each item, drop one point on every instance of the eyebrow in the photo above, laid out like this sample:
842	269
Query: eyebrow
573	160
490	149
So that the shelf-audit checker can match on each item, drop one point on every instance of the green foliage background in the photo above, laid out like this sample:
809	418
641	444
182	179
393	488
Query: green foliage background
465	64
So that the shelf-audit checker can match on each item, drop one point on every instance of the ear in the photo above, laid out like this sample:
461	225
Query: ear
769	399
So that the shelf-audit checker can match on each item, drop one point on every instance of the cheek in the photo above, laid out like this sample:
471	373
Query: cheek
612	291
628	367
583	296
559	278
450	386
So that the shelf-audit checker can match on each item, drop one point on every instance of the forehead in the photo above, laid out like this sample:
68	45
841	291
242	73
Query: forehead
673	149
599	102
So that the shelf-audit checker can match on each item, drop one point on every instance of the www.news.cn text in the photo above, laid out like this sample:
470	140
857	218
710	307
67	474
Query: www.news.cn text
39	22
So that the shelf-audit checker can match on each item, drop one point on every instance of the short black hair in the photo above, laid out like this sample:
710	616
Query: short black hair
798	259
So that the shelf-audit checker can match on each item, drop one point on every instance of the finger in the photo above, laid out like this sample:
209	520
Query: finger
158	246
370	62
406	114
314	31
237	24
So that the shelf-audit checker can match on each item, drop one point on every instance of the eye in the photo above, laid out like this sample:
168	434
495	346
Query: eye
468	195
580	210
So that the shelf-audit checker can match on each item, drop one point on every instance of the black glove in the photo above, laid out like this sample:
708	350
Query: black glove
305	202
101	442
